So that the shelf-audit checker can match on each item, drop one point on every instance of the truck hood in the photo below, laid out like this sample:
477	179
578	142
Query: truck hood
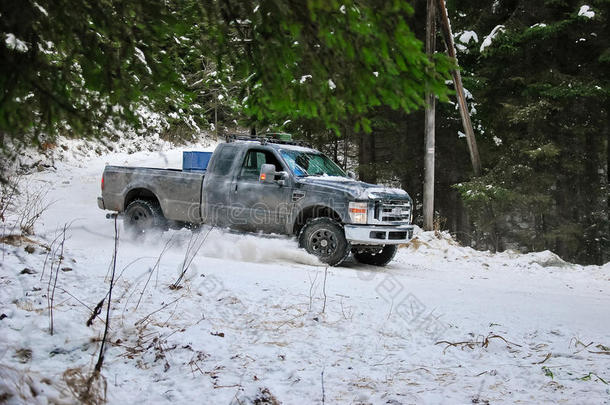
359	190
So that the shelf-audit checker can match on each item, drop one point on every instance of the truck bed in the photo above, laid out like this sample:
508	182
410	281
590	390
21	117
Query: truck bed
178	191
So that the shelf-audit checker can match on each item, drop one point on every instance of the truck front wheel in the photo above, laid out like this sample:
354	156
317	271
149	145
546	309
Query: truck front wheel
375	256
325	238
141	216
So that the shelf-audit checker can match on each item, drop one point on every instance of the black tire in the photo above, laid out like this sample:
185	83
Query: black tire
375	257
325	238
143	216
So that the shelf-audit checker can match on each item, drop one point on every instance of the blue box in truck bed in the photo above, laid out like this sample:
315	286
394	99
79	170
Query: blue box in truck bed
195	161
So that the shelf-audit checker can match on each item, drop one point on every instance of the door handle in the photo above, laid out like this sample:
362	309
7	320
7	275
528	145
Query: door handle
236	187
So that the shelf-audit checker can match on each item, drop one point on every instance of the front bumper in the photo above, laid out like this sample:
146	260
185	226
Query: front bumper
378	235
100	203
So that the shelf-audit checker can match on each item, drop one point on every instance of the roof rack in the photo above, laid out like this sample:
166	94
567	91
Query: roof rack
270	137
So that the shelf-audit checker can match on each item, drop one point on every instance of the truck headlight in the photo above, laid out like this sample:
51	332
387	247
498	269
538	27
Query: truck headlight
357	212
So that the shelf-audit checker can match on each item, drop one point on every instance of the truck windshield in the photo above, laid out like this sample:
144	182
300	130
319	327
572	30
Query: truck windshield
304	163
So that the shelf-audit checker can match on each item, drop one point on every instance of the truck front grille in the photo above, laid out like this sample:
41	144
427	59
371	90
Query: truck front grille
393	211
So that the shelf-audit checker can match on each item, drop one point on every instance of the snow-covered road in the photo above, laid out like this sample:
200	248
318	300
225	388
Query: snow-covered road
253	320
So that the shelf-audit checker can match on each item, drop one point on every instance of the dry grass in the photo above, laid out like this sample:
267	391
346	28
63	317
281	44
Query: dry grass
580	346
481	341
29	387
265	397
439	223
415	244
18	240
87	389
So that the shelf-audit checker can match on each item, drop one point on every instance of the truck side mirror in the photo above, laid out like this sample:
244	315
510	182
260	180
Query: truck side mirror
267	173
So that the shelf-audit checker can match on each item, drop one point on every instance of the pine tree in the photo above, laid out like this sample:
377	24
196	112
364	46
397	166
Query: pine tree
542	99
74	66
70	67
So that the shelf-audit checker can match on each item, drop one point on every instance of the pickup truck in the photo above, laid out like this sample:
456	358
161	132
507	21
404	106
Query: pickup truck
270	186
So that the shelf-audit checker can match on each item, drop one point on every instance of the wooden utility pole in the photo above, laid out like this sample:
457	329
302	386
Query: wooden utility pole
459	88
430	124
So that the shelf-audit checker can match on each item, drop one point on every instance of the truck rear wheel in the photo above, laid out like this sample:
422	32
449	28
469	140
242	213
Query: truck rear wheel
375	256
325	238
142	216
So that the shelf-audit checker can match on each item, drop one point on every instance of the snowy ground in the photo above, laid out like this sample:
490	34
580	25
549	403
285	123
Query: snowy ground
253	322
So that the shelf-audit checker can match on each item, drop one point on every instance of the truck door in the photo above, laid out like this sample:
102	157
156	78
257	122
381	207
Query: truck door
258	206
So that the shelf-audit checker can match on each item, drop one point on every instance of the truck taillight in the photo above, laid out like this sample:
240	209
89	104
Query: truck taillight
102	182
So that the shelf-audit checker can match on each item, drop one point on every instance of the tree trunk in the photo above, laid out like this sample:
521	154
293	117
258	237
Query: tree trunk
366	158
345	142
606	242
336	150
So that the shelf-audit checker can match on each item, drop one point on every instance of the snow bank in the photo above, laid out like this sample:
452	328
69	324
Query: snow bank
441	247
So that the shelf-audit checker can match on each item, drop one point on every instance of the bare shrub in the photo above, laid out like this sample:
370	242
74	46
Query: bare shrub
312	283
21	205
324	289
168	244
8	193
55	257
32	204
193	247
100	360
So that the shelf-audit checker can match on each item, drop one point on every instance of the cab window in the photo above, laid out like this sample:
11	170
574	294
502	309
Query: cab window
253	162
